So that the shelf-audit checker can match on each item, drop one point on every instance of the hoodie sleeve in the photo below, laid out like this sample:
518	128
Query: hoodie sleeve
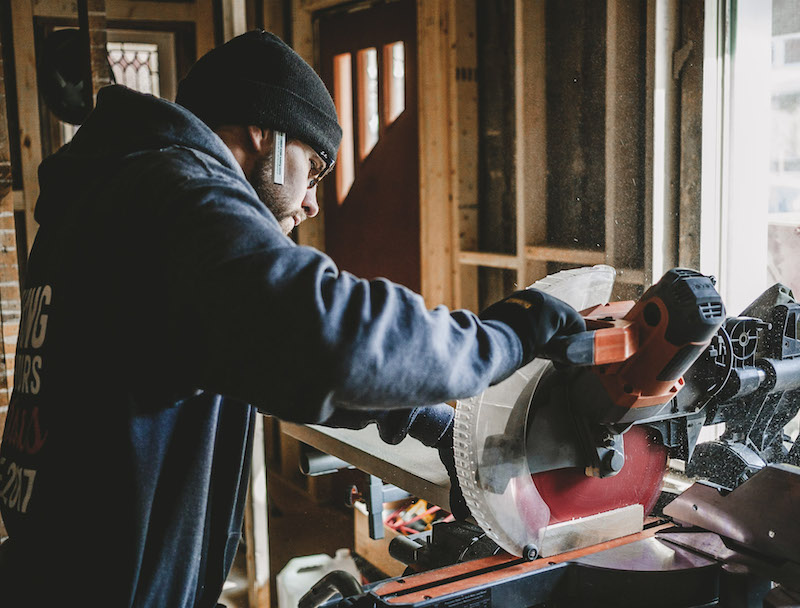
278	325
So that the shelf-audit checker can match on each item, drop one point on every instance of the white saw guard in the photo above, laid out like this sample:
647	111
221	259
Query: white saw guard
488	414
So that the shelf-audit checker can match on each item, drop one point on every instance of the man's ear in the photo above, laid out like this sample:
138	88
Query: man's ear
260	140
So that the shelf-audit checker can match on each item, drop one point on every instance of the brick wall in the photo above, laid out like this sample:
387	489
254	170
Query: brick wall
9	271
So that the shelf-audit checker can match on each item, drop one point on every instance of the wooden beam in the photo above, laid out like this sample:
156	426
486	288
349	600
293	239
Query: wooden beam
125	10
520	103
256	524
435	86
275	18
533	135
28	101
92	23
309	6
567	256
464	146
591	530
489	260
408	465
311	234
204	26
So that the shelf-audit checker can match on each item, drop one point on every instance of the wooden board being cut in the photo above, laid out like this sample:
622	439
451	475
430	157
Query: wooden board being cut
409	464
592	530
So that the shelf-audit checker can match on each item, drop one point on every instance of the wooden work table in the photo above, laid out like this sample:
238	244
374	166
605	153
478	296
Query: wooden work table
409	465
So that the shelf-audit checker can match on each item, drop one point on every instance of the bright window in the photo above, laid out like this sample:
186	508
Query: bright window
343	95
751	149
135	65
757	160
394	80
368	122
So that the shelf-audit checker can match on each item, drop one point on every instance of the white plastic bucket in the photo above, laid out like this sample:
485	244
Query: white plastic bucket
301	573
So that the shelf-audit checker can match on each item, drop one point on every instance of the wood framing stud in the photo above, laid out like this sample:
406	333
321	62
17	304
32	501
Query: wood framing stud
435	74
565	255
464	150
28	102
256	530
92	22
126	10
489	260
533	174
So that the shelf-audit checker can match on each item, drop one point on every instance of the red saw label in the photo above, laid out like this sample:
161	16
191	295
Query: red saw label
570	494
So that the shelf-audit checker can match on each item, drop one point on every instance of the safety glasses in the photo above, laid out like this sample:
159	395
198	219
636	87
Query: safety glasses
318	177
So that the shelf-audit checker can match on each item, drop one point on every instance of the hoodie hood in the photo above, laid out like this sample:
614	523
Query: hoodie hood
123	122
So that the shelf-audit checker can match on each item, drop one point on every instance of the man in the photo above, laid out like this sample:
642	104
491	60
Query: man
163	297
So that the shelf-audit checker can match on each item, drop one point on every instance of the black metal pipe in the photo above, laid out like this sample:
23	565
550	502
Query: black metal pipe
313	463
334	582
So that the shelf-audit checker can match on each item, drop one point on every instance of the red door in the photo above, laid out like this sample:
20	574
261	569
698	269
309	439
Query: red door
371	203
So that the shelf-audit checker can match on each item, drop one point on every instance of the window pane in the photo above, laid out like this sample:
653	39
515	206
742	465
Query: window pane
343	99
394	77
135	65
761	208
367	101
760	185
784	153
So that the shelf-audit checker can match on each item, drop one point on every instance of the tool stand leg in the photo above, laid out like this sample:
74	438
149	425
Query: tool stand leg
740	588
377	493
779	597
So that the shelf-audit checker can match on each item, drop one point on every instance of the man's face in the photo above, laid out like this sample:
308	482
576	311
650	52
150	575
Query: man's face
293	201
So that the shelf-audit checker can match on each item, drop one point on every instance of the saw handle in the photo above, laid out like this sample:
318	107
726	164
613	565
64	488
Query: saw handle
605	341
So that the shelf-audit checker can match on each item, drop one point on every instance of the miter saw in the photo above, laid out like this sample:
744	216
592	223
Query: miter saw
561	463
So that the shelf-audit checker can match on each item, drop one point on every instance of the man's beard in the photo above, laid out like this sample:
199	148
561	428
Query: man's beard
272	194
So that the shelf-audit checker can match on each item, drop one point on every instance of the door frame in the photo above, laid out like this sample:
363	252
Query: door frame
437	172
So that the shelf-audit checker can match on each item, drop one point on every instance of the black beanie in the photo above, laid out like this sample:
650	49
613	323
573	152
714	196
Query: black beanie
257	79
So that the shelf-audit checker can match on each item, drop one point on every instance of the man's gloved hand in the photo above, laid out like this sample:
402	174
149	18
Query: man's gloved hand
536	317
458	506
431	425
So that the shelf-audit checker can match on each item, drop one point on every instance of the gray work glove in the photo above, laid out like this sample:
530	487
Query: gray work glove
536	317
431	425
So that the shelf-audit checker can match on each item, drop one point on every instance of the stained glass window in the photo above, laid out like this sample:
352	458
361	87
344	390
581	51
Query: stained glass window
135	64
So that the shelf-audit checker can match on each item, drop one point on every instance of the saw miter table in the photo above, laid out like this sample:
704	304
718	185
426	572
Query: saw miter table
562	464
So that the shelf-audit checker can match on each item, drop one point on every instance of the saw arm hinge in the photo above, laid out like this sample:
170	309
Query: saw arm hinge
604	446
680	434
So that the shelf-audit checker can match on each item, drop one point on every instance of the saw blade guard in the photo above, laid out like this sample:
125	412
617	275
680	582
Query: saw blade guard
489	433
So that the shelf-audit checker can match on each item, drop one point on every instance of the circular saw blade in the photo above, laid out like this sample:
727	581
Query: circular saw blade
489	433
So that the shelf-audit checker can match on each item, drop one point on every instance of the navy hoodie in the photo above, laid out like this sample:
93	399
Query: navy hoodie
162	307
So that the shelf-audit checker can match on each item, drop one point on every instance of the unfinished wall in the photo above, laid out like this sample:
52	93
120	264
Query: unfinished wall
572	148
497	134
576	126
